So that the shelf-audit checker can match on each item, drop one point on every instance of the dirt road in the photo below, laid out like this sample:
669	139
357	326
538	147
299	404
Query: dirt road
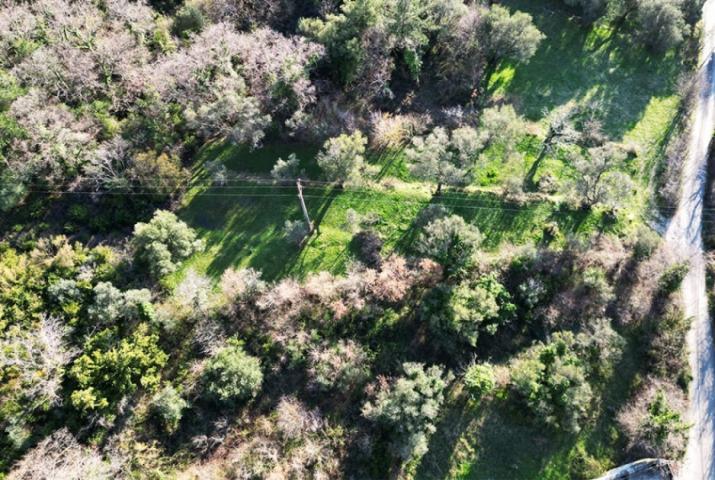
684	235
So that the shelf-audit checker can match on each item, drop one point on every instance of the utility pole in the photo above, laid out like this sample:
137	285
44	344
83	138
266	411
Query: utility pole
302	205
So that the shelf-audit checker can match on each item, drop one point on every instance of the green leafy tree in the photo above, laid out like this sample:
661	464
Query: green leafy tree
343	157
553	379
163	242
379	32
233	376
479	380
450	241
110	368
467	310
342	34
409	408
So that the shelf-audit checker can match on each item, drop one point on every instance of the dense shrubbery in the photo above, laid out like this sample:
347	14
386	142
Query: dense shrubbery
479	380
461	313
232	376
111	367
409	408
553	378
163	242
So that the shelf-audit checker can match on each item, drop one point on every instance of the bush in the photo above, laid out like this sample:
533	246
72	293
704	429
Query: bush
479	380
668	349
647	242
296	231
188	20
163	242
451	242
673	277
110	369
468	309
168	407
367	245
110	304
595	287
233	376
652	422
343	366
237	285
409	408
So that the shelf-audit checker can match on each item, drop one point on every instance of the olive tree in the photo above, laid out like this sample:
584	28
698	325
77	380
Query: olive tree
409	408
661	23
509	36
443	157
501	126
450	241
163	242
596	178
342	158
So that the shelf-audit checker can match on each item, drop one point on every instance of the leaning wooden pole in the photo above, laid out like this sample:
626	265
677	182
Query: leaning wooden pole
302	205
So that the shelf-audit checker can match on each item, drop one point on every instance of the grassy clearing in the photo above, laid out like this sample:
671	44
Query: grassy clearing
635	92
243	224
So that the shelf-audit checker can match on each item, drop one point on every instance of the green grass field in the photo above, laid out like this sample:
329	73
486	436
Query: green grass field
243	225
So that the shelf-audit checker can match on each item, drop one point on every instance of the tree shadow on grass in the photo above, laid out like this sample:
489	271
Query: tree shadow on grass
501	221
488	441
583	64
247	228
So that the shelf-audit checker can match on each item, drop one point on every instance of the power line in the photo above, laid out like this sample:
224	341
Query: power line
474	205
